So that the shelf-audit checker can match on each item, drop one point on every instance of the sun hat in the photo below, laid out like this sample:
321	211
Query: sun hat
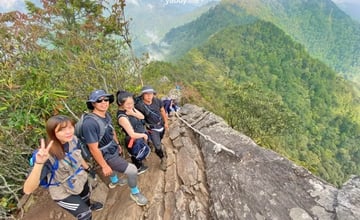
147	89
96	95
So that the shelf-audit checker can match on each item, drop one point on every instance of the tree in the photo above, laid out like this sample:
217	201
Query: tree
50	60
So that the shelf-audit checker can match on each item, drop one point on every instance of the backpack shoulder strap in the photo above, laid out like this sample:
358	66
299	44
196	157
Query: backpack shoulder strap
49	182
100	122
121	115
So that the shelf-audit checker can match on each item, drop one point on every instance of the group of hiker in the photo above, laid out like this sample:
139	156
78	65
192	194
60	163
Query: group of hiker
58	163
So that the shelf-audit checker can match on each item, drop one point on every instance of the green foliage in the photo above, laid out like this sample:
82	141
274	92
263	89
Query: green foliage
250	73
325	31
267	86
183	38
50	60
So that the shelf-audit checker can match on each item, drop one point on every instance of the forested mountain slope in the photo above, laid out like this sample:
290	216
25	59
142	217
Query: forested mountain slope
267	86
180	40
326	32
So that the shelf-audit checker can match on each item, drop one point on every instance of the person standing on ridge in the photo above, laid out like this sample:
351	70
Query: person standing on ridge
108	156
156	120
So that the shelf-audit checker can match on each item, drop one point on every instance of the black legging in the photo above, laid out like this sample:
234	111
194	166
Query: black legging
156	137
78	205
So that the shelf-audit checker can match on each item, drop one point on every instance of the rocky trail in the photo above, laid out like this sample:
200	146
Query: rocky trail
215	172
161	188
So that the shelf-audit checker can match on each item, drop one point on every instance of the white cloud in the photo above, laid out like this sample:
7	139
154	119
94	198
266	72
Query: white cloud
150	6
10	4
134	2
154	38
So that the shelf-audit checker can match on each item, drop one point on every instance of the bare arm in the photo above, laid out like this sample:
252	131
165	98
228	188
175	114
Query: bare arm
164	117
96	153
84	164
33	180
136	113
124	122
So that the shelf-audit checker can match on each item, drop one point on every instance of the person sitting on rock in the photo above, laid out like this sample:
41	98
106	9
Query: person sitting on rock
130	120
108	158
156	120
60	167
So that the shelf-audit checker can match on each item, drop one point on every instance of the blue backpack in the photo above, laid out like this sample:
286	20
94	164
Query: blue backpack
139	149
47	182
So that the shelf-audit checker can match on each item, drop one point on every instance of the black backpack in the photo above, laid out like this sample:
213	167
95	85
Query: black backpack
85	152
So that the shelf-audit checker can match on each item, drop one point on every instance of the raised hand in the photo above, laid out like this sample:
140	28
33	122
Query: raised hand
43	154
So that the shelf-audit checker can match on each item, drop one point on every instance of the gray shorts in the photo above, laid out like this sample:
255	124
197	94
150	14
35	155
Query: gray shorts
117	163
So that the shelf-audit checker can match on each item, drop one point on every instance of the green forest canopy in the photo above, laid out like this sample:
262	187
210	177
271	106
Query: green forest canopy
253	75
267	86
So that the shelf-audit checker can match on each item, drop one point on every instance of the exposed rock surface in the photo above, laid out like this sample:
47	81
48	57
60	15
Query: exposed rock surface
252	183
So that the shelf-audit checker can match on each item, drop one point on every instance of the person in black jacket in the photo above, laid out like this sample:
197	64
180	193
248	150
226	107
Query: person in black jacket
156	120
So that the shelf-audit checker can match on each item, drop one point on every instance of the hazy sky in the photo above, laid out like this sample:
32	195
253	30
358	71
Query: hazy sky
9	5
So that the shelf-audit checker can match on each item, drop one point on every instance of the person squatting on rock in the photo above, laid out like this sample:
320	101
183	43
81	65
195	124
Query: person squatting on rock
60	167
130	120
170	105
156	120
108	157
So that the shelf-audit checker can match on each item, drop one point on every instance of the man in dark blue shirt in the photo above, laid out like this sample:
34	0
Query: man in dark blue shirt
108	157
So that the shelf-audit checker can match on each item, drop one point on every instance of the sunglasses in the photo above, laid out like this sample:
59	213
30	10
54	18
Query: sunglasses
101	100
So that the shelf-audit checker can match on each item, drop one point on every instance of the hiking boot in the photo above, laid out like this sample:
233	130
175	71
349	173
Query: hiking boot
139	198
163	164
142	169
121	182
96	206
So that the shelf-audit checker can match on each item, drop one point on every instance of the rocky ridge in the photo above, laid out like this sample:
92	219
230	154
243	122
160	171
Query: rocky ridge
215	172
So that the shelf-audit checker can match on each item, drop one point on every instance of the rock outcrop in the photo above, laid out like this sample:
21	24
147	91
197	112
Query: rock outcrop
215	172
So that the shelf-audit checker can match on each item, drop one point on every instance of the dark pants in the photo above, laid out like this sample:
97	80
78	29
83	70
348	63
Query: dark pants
138	163
156	137
78	205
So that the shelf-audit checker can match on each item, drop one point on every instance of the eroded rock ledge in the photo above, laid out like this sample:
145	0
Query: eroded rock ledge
257	183
253	183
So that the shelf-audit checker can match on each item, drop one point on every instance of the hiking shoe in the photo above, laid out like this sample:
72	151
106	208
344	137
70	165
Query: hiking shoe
139	198
121	182
163	164
96	206
142	169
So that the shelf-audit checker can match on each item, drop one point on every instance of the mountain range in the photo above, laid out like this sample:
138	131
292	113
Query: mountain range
327	33
268	84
